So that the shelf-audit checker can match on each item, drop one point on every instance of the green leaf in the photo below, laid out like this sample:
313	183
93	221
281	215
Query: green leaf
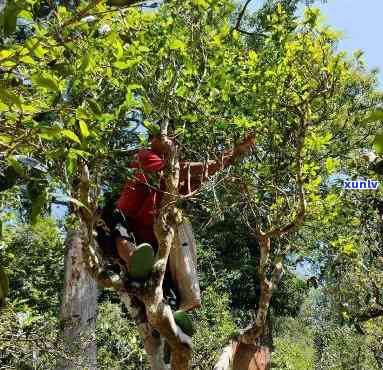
134	87
82	113
70	135
119	50
34	46
27	108
378	143
70	165
74	153
202	3
3	107
10	98
5	139
27	59
105	118
126	64
6	53
331	164
9	18
85	61
83	128
8	64
93	105
46	82
49	133
26	15
176	44
39	52
374	116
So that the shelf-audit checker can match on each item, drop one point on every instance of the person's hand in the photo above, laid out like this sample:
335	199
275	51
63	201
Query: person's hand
245	145
125	249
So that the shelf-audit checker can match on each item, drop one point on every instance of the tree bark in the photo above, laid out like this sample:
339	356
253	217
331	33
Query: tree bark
251	357
242	356
251	349
146	304
153	343
78	310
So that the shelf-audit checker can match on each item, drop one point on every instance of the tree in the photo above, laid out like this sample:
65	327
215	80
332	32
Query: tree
294	162
100	76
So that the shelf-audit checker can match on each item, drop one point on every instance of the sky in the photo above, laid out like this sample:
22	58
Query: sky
361	24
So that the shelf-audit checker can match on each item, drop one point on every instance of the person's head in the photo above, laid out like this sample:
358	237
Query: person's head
155	142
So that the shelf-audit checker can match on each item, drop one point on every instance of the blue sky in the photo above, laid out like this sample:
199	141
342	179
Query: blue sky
361	24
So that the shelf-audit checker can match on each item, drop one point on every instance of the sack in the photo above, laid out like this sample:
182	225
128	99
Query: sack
183	267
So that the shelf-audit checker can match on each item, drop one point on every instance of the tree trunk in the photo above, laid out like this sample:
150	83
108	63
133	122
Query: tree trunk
154	317
153	343
243	356
78	310
250	357
251	349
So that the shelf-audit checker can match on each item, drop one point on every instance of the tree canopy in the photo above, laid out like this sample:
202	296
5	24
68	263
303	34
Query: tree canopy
284	250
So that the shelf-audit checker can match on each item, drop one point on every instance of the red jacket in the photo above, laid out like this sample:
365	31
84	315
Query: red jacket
140	199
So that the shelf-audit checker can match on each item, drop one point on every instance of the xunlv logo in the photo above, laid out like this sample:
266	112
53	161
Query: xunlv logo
361	184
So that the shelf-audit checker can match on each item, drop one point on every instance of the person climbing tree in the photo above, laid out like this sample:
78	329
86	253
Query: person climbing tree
137	208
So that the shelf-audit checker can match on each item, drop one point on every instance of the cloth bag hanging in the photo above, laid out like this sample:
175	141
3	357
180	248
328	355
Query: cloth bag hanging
183	267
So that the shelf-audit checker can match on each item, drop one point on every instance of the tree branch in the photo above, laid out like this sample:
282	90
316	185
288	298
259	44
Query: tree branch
240	16
226	358
298	220
371	313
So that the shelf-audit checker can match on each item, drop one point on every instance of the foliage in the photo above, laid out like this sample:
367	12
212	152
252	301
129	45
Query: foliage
28	338
119	345
33	256
84	89
344	349
214	326
294	345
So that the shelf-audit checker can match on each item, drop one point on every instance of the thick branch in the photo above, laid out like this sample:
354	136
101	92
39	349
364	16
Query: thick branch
241	14
226	358
158	313
371	313
152	342
252	334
